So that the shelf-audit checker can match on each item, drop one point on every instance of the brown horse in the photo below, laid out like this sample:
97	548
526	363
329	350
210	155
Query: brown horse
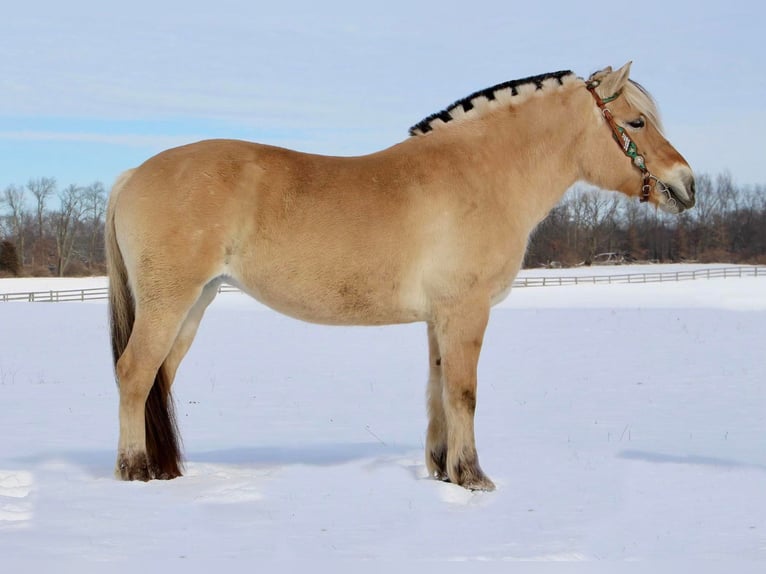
433	229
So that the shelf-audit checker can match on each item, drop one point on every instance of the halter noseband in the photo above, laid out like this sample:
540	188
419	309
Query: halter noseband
627	145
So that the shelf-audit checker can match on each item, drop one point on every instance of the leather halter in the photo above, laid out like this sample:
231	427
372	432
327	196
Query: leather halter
627	145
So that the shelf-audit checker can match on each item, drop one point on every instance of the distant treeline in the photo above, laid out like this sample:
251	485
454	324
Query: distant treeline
727	225
46	230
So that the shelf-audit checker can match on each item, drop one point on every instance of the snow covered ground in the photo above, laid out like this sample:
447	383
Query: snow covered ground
619	422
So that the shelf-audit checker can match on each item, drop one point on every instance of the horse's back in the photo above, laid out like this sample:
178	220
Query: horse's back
322	238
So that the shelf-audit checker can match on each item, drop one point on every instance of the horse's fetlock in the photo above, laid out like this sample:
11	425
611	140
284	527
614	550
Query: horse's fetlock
436	462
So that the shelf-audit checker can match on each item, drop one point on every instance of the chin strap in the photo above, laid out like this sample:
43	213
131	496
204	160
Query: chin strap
627	145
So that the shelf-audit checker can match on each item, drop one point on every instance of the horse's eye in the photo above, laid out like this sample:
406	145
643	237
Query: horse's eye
637	124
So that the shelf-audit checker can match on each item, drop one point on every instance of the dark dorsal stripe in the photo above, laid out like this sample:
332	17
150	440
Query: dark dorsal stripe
466	103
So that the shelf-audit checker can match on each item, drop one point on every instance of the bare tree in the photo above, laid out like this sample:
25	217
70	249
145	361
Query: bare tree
550	244
66	220
42	189
595	216
94	209
726	204
5	225
13	199
9	258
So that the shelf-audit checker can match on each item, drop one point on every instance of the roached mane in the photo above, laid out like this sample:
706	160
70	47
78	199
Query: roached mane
483	99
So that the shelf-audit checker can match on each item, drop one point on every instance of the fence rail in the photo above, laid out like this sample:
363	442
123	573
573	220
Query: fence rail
100	293
64	295
652	277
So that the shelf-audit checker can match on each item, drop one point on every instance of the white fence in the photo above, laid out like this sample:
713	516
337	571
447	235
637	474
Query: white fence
93	294
100	293
650	277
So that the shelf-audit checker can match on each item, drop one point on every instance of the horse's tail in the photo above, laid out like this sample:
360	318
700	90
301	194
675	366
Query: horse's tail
162	443
121	305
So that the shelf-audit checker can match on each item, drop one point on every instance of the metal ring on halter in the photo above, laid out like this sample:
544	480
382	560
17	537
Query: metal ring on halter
659	186
665	190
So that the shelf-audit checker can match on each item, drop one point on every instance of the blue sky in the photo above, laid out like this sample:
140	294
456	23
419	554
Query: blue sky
89	88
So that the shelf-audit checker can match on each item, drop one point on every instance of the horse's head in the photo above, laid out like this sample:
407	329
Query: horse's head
641	162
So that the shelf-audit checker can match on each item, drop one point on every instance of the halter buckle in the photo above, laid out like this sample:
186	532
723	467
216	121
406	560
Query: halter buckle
646	189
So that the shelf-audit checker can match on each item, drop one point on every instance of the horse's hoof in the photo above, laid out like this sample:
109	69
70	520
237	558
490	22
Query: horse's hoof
439	475
160	475
133	468
483	484
469	475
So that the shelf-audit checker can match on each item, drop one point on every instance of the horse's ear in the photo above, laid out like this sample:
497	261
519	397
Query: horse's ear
613	82
600	75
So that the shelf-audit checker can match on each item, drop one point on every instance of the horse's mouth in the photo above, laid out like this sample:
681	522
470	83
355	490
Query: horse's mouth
671	200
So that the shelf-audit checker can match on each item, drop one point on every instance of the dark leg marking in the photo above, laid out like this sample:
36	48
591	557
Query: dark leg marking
439	459
469	400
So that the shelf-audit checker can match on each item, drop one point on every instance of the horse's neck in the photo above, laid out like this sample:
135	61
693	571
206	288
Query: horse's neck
532	157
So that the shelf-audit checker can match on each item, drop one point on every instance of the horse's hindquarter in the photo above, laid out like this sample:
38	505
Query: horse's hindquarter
367	240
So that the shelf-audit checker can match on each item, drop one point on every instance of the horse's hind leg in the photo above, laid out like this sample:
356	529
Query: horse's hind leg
460	333
436	438
155	329
188	331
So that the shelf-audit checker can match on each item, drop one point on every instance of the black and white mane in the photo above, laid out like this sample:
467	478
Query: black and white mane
483	98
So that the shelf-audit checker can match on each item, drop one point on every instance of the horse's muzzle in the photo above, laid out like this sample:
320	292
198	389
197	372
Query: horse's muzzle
678	196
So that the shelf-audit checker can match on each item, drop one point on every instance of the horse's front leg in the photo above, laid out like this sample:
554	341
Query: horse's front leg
460	333
436	438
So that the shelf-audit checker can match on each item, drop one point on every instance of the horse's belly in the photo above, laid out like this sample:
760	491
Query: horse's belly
349	299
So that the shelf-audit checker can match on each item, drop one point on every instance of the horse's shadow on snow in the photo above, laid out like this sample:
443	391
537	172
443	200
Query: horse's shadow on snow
698	460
